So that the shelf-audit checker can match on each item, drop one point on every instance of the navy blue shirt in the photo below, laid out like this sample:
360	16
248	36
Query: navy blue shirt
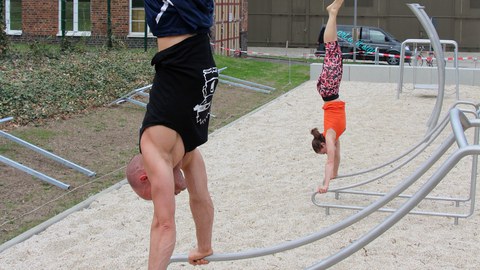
177	17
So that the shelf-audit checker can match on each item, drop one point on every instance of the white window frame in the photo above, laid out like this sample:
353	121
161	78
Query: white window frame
136	34
75	31
7	21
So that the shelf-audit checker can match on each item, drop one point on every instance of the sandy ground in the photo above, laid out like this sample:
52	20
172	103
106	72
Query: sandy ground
262	172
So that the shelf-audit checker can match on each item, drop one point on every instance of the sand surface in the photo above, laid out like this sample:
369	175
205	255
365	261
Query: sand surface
262	172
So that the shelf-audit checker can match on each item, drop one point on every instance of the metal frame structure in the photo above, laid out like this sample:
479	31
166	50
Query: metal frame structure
423	86
427	24
43	152
433	132
422	145
129	97
459	123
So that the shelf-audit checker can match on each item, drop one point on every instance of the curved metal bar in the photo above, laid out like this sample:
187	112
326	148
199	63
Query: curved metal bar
459	123
431	137
428	139
424	19
401	212
336	227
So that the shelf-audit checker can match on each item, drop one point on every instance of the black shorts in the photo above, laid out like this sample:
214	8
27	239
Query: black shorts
181	96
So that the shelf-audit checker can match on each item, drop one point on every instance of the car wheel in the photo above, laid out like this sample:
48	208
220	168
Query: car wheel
393	60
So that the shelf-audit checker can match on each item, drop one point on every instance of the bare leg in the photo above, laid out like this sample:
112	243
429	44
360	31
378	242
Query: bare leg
331	27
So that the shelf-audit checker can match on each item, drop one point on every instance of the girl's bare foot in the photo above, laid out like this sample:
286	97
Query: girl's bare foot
334	7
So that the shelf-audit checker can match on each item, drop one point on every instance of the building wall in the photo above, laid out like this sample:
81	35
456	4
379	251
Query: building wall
40	21
119	14
274	22
40	17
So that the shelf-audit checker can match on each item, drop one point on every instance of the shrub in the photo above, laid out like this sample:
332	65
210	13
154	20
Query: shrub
39	85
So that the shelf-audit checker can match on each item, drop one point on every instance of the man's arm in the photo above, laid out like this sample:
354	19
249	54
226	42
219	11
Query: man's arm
159	156
162	231
330	163
201	205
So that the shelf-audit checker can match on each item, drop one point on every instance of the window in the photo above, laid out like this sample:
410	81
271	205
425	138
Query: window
377	36
77	17
137	18
13	17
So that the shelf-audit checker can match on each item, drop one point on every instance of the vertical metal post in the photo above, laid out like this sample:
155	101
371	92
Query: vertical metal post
377	56
145	41
109	25
63	13
355	32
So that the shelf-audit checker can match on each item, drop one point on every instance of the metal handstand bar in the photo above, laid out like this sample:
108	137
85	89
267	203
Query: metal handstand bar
457	201
459	124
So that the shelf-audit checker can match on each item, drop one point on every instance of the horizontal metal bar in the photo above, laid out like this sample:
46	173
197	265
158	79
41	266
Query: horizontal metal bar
6	119
245	86
391	210
48	154
35	173
134	101
379	194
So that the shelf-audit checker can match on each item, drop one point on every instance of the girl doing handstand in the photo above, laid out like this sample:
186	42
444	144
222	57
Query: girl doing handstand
334	109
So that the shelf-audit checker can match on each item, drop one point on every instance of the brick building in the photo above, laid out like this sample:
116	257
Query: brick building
27	20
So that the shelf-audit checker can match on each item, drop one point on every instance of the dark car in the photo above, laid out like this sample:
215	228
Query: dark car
369	38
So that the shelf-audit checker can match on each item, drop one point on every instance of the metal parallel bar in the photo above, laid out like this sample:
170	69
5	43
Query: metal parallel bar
380	194
35	173
401	212
143	94
391	210
47	154
433	181
6	119
459	123
129	94
134	101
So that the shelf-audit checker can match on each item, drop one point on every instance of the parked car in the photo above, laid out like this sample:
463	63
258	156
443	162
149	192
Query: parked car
369	38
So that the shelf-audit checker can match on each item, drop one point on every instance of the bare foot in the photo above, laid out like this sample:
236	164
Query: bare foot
334	7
